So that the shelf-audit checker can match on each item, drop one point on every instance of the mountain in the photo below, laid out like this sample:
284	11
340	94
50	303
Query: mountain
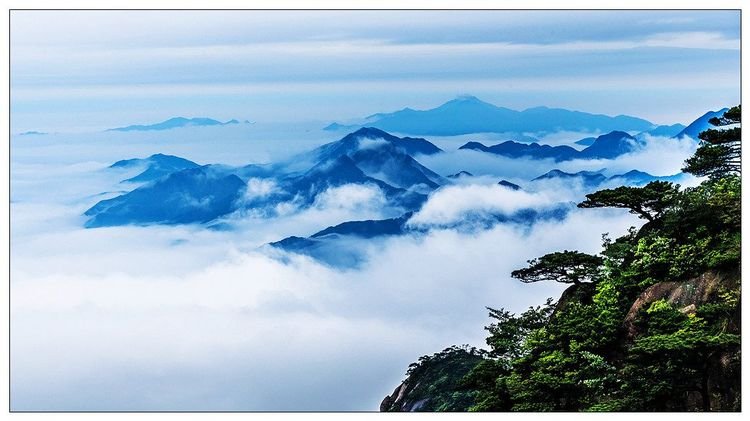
606	146
461	174
398	169
701	124
346	245
155	166
637	178
586	141
610	145
333	127
589	178
385	157
468	114
338	172
370	137
367	229
513	149
326	245
596	178
509	185
173	123
193	195
665	131
366	157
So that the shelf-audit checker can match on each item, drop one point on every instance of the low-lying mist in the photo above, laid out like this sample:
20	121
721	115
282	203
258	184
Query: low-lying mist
186	318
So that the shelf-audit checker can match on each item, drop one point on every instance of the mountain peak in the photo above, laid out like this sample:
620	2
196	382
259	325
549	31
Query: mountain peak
467	98
467	114
700	124
616	134
474	145
172	123
370	132
461	174
353	141
466	101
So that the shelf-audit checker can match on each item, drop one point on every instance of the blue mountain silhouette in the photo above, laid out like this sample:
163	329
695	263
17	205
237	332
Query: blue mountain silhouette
468	114
173	123
155	166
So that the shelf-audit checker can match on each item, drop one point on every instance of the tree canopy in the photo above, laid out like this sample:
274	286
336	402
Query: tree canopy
648	202
720	150
568	267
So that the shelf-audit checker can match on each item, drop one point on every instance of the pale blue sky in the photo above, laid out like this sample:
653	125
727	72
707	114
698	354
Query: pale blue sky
90	70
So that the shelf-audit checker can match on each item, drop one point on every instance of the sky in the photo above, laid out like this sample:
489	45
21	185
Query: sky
89	70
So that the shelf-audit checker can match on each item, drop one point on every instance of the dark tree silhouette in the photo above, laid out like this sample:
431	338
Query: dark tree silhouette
720	150
568	267
648	202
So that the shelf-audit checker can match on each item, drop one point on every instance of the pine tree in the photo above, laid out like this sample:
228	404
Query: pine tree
720	150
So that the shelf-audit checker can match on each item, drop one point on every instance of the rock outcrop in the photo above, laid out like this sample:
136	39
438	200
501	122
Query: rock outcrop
686	295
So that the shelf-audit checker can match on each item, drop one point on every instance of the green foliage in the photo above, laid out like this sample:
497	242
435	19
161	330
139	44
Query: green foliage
439	378
489	381
648	202
569	267
509	331
672	356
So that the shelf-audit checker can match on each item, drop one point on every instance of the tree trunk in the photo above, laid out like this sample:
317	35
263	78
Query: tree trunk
704	391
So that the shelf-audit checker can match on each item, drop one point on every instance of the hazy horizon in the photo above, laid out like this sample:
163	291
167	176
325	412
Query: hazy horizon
665	66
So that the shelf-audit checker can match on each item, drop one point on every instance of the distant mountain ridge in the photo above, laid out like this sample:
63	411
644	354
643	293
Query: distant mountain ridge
596	178
174	123
700	124
156	166
665	130
606	146
468	114
179	191
193	195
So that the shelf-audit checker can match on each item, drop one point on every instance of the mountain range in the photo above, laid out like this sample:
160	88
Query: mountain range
174	123
174	190
593	179
366	157
468	114
607	146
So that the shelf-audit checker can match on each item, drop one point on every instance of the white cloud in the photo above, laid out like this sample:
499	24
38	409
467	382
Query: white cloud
365	143
487	164
351	197
661	156
453	203
248	332
260	187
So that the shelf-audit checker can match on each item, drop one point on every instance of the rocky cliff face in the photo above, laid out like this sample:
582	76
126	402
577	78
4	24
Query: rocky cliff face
687	295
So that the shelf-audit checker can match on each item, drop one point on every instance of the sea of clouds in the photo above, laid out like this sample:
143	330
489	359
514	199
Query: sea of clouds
187	318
